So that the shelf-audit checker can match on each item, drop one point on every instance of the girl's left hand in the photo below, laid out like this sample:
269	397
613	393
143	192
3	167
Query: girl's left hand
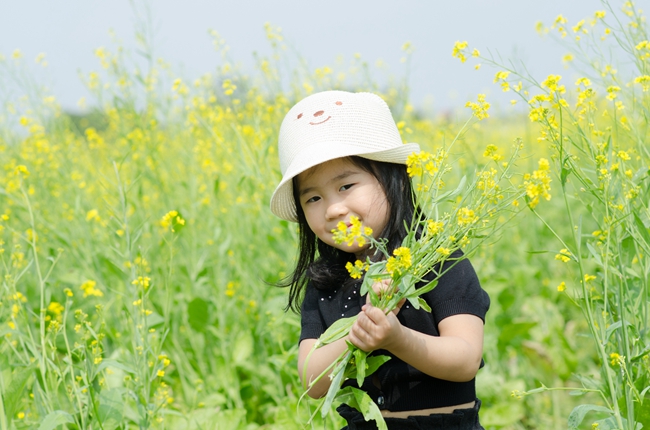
374	329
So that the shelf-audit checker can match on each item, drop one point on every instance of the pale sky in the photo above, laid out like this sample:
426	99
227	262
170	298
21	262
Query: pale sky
68	31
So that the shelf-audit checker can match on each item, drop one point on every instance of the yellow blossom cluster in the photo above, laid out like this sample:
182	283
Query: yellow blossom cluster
356	232
459	51
538	184
357	269
434	227
419	163
466	216
480	107
400	261
89	289
142	281
502	77
564	255
172	220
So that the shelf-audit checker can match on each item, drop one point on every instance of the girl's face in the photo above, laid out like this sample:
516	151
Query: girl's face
334	191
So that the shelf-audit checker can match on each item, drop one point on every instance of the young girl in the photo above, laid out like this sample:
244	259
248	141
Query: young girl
341	155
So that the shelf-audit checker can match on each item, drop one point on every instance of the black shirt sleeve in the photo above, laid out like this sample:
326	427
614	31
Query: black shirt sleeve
311	322
458	292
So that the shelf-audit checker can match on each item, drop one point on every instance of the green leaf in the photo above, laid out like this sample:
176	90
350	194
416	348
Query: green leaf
336	331
197	314
55	419
109	362
451	194
376	272
14	392
110	411
578	414
419	302
643	230
610	423
564	173
335	386
428	287
374	361
243	348
364	404
595	254
588	382
360	361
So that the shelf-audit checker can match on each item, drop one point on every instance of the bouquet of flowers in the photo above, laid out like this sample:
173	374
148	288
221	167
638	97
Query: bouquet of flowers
445	221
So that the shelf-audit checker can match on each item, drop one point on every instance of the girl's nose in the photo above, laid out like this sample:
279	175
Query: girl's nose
335	211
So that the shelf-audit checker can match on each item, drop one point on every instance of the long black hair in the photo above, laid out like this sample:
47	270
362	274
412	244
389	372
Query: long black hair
324	265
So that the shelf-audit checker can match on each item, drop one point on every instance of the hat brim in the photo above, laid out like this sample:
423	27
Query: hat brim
282	201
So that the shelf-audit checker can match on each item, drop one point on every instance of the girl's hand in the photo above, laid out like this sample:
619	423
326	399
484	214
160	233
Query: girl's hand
384	287
375	329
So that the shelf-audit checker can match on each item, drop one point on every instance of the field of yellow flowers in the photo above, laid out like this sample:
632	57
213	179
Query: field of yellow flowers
138	253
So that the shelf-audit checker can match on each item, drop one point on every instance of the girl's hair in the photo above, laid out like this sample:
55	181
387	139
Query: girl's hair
324	265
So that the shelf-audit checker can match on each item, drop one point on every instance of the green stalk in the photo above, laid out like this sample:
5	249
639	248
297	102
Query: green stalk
589	312
41	313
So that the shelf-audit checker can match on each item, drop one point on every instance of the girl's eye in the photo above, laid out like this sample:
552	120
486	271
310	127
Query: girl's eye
313	199
346	187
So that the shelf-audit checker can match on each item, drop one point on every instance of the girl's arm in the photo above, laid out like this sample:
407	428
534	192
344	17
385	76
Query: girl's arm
319	360
455	355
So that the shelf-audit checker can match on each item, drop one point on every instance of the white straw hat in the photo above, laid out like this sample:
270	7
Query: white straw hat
329	125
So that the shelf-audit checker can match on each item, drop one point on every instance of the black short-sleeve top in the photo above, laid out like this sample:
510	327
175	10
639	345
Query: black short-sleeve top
397	386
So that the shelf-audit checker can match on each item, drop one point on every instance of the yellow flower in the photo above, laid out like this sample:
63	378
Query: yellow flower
89	289
92	214
552	83
564	255
418	163
616	359
21	170
434	227
466	216
644	80
356	232
400	262
55	308
611	92
600	14
589	277
356	270
171	219
561	287
491	151
501	76
142	281
458	51
443	251
538	184
480	108
623	155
